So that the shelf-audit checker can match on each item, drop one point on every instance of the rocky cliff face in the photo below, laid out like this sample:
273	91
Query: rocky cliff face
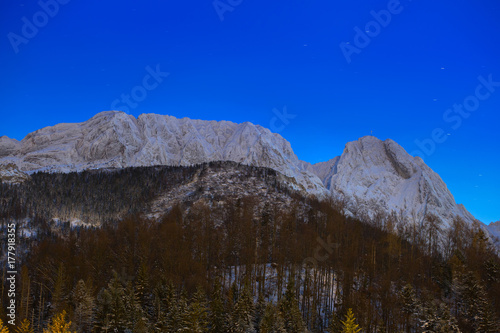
370	176
373	175
494	230
116	139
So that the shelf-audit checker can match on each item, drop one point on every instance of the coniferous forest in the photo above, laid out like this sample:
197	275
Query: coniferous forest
265	260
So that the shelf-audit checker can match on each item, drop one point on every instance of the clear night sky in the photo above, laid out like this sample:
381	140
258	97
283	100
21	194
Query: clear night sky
401	83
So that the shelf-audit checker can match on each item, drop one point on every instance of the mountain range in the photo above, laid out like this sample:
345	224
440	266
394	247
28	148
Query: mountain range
370	176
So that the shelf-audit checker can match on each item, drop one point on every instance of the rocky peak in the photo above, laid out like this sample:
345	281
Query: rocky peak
373	175
116	139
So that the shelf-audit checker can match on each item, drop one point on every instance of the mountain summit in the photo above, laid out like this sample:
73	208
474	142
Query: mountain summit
370	176
380	176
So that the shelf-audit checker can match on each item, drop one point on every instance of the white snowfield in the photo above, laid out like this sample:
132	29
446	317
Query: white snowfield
370	176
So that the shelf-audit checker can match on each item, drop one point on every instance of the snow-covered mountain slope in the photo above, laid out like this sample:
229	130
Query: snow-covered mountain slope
116	139
373	175
370	176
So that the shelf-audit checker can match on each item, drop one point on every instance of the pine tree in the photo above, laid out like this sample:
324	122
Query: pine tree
473	304
179	318
25	327
142	288
241	319
164	300
349	325
289	307
437	318
3	328
487	322
198	313
110	312
272	321
59	324
410	307
102	320
135	317
83	307
260	309
217	317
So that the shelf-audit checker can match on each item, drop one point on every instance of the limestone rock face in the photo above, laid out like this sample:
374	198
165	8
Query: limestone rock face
373	175
494	230
116	139
7	146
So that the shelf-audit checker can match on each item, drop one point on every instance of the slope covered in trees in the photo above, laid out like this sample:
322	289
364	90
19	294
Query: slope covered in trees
107	195
266	260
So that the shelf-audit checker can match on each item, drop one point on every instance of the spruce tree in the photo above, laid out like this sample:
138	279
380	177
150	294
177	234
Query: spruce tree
135	317
84	303
180	318
142	287
241	319
260	309
473	304
487	323
198	312
410	307
164	300
102	314
289	307
437	318
272	321
110	306
217	316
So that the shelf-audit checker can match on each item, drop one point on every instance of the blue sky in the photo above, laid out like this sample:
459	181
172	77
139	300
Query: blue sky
337	69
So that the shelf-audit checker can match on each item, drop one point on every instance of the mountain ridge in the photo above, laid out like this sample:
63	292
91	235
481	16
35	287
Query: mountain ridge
370	176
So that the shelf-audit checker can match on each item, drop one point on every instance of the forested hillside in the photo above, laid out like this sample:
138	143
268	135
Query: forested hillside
165	249
107	195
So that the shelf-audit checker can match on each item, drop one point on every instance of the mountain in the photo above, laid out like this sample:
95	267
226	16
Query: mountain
370	176
373	175
116	140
